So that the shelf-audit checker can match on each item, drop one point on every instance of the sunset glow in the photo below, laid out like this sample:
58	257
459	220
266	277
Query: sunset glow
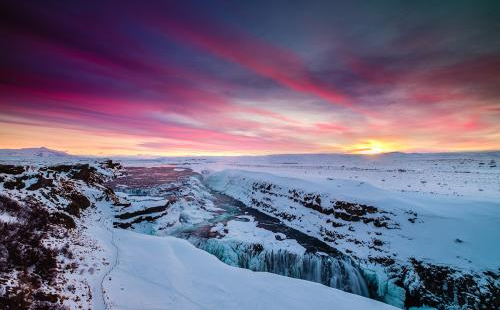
371	147
232	78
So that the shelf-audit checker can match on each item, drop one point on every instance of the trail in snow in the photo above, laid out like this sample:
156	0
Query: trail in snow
165	283
105	302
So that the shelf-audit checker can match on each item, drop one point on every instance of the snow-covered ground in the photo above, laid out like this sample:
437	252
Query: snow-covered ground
450	230
456	196
169	273
101	267
239	231
436	215
53	214
457	174
474	174
160	272
422	228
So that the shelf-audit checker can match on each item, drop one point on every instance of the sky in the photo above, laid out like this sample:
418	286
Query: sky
250	77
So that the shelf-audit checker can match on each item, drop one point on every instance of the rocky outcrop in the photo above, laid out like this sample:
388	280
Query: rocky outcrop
40	208
342	210
28	266
11	169
129	215
443	287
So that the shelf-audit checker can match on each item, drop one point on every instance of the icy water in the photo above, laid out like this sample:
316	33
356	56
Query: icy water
235	208
320	263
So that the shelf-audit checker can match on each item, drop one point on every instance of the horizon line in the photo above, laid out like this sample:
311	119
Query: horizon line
151	156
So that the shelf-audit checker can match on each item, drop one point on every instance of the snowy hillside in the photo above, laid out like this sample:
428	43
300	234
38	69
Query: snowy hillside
49	257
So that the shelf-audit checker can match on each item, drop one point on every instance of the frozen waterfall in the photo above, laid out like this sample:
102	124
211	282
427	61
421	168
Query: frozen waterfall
334	271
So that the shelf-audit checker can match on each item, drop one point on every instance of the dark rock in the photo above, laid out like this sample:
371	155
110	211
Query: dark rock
61	168
257	248
62	219
18	183
385	261
109	164
41	296
443	287
85	173
40	183
279	237
128	215
78	203
335	224
11	169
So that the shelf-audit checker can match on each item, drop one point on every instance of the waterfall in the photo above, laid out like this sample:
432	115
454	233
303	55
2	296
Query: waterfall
335	271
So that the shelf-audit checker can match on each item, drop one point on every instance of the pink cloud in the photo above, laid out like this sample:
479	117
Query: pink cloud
270	61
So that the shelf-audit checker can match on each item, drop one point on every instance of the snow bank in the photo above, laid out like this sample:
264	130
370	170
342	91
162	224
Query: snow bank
169	273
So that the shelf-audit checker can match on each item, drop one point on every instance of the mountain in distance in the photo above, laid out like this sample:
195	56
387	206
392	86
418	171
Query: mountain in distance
36	152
